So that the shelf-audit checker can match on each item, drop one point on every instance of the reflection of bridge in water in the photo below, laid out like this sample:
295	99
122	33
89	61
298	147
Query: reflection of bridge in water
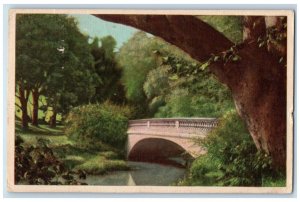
162	138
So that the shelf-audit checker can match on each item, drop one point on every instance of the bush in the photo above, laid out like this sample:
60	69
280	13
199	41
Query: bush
241	163
203	171
232	158
91	124
37	164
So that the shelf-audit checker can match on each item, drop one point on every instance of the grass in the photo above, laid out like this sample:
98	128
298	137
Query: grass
94	161
100	165
55	136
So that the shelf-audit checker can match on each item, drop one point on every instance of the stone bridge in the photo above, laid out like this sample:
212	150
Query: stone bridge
166	137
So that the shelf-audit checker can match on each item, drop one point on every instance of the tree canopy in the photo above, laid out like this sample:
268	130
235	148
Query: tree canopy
53	58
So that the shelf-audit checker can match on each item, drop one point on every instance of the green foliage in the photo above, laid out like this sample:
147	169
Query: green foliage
36	165
139	59
108	44
277	180
203	172
136	58
230	26
183	104
155	104
89	124
53	57
232	158
171	84
240	161
110	88
123	110
157	82
231	130
194	92
177	105
99	165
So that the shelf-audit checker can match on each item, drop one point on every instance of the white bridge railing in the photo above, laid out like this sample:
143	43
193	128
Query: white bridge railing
172	126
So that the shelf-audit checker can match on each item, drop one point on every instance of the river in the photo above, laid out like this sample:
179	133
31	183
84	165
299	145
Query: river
141	173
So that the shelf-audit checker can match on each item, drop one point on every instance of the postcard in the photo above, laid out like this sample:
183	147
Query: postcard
150	101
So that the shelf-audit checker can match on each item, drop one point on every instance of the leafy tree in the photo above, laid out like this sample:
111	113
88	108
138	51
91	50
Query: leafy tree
110	88
149	71
157	82
136	59
47	45
180	87
69	87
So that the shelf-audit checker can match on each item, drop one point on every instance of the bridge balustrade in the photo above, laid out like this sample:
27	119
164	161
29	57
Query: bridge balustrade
172	126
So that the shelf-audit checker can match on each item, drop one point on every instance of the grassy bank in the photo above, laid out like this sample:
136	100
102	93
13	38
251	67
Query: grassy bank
91	161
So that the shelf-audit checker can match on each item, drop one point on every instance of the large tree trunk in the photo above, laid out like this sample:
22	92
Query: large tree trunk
257	80
264	81
35	106
258	86
23	97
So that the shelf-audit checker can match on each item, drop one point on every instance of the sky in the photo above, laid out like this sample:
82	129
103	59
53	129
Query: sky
94	26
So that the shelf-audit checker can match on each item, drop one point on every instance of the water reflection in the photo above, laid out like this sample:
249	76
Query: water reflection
142	173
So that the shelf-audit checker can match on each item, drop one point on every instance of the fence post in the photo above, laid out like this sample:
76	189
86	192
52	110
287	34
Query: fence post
177	124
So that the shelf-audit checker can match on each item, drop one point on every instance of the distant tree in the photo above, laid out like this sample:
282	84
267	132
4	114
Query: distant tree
180	87
157	82
104	55
136	59
139	56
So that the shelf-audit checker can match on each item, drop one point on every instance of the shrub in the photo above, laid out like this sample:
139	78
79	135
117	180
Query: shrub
204	171
232	158
241	163
91	124
37	165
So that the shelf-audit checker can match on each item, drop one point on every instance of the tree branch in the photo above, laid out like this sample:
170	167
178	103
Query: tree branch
18	105
189	33
18	96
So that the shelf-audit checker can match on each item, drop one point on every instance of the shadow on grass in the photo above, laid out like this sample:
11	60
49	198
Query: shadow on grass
38	130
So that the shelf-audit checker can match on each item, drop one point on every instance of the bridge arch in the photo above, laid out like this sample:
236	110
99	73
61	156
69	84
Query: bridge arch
152	148
154	138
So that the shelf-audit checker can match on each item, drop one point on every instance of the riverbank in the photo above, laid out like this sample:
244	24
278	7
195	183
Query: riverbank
88	161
